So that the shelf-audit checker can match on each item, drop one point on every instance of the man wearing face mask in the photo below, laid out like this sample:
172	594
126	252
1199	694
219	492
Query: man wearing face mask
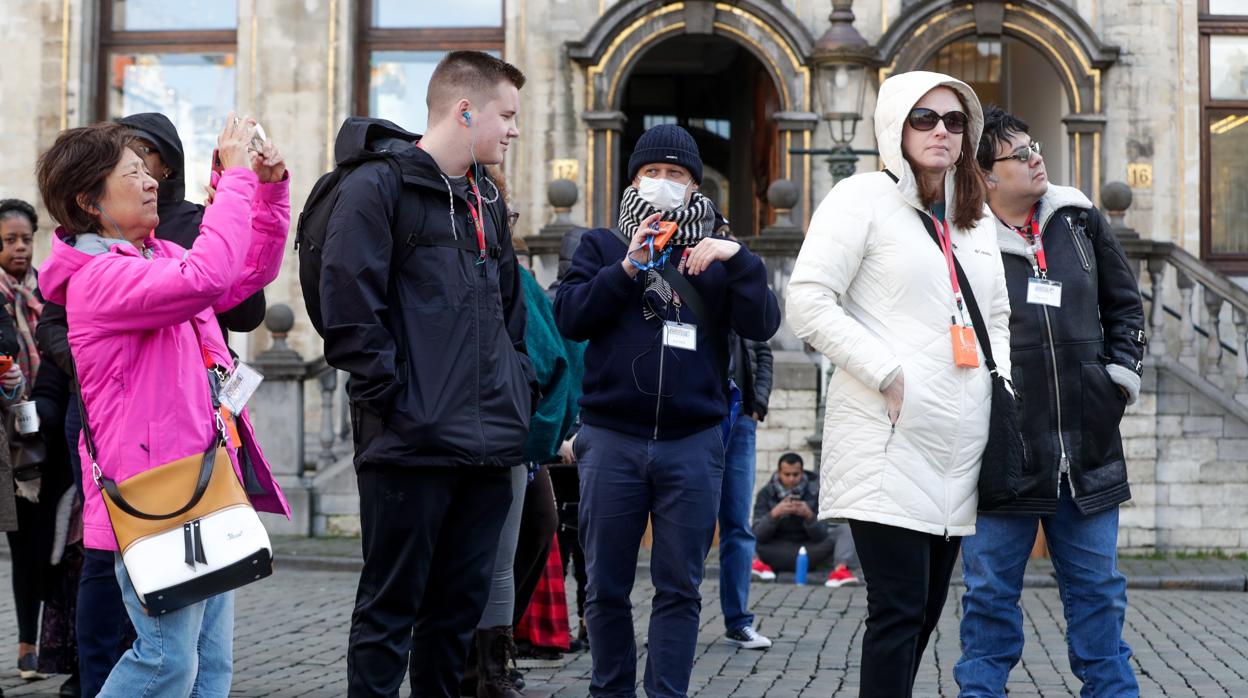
655	395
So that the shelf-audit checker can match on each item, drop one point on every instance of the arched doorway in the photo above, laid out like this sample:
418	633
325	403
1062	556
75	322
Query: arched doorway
720	93
632	45
1053	30
1014	76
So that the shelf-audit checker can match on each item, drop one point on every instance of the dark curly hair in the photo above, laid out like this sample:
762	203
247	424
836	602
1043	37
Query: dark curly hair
999	125
10	208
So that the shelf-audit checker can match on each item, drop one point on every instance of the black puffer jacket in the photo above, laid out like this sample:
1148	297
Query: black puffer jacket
790	528
752	371
436	352
1072	365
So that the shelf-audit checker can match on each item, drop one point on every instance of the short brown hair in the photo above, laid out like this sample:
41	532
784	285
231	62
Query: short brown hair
468	74
78	165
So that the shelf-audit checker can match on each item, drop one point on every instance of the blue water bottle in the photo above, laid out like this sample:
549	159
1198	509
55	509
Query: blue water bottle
803	564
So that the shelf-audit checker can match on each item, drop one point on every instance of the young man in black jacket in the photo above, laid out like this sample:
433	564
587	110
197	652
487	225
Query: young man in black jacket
440	387
656	375
1077	340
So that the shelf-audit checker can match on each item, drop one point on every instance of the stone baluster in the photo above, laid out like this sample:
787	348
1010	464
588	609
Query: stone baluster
783	195
329	385
1157	319
277	407
1187	326
1213	348
1241	354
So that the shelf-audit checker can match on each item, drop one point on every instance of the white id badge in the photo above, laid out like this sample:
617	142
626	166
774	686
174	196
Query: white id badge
679	335
1044	292
239	387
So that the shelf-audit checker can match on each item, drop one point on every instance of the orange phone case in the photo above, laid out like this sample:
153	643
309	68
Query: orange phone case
964	353
666	230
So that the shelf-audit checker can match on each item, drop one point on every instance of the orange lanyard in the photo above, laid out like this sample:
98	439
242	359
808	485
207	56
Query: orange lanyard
1033	225
476	219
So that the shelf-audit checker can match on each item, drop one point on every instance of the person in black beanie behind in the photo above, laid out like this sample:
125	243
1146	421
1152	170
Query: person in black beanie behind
655	397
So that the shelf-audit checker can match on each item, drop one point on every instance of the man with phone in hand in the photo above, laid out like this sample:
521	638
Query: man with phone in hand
651	448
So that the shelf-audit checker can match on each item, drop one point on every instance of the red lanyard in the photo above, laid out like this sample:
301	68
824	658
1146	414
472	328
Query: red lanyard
476	218
946	246
1033	226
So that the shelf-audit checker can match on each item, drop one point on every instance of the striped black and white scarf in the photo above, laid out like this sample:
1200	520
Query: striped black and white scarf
694	221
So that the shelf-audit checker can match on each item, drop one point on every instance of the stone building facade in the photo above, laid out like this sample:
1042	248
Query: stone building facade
1148	92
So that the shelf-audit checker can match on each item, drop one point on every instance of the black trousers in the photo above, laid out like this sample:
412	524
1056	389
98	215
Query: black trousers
31	547
430	536
567	485
538	522
907	574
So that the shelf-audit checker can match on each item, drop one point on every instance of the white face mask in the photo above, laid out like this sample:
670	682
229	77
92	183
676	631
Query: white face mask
663	194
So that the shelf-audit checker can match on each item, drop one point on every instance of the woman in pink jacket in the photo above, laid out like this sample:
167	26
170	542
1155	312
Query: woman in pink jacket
138	311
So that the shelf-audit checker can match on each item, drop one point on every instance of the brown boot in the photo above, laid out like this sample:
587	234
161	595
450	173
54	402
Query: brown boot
494	655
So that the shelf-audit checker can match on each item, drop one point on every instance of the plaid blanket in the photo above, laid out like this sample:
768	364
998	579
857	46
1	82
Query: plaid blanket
545	622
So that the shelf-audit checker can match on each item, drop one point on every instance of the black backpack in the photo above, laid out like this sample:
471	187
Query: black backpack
359	141
362	140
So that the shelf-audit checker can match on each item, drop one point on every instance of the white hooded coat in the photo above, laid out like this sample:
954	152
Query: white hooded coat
871	291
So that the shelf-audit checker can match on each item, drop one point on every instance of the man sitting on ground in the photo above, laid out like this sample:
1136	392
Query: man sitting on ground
785	521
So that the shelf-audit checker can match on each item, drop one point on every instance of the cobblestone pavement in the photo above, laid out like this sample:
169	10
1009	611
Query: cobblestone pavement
290	640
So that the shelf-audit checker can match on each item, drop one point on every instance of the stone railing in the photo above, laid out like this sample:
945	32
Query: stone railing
301	418
1197	317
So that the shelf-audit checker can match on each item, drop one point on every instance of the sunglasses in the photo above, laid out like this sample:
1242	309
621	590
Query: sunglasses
923	119
1022	153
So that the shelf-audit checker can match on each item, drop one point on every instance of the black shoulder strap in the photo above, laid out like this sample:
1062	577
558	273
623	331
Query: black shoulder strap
977	319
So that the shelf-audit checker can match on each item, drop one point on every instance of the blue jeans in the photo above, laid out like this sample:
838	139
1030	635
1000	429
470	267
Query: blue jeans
625	480
736	535
187	652
1094	597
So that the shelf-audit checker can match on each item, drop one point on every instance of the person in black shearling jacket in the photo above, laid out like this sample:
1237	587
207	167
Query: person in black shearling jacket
1076	352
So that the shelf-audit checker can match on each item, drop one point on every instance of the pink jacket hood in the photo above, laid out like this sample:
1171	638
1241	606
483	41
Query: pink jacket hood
130	313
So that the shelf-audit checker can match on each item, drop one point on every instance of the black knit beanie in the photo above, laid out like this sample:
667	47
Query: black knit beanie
666	143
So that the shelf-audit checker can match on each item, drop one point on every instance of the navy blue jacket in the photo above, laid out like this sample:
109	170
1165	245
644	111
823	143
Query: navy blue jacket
635	385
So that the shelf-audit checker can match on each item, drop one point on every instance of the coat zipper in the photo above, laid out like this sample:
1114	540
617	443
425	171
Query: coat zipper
658	398
1074	235
1064	462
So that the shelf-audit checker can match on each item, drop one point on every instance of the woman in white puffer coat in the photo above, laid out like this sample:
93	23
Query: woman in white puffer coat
905	425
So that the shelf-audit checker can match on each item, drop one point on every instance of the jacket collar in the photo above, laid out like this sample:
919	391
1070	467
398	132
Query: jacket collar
1055	199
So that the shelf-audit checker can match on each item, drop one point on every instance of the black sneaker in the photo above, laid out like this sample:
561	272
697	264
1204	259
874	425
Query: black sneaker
747	639
28	667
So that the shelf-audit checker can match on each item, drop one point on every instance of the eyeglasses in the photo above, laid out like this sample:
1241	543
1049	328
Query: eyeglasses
923	119
1022	153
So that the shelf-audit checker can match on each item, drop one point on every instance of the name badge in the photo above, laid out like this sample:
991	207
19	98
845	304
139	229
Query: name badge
679	335
239	387
1044	292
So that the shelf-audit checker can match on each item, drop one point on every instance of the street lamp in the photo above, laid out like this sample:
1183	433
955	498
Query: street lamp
842	59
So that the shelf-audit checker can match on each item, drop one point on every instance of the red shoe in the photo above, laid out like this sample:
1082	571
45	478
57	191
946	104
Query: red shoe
762	571
841	577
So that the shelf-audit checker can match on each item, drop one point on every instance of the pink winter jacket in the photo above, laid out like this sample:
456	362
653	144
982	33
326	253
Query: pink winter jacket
139	364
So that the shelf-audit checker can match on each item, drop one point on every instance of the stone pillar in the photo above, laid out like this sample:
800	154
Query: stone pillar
1085	131
544	246
276	412
797	130
778	245
603	164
